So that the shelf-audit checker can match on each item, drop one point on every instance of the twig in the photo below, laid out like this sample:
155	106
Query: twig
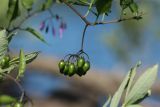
71	7
84	31
26	18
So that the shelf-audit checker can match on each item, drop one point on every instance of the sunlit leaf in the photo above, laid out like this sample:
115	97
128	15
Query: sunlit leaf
117	96
22	64
133	73
142	85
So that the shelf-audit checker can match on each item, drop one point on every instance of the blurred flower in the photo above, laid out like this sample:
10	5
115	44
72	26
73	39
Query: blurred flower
61	32
57	17
53	31
47	28
63	25
42	25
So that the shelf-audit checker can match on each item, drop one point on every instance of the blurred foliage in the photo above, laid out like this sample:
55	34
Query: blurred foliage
129	36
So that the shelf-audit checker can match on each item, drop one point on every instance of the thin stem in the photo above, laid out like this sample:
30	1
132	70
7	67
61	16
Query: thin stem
26	18
84	31
18	84
71	7
117	20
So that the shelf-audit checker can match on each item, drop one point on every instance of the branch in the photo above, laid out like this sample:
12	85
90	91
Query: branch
82	17
102	22
118	20
22	21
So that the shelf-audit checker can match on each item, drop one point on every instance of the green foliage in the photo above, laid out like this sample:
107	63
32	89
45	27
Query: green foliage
22	64
135	93
3	43
142	85
46	4
13	10
103	6
131	4
27	4
29	58
36	34
5	99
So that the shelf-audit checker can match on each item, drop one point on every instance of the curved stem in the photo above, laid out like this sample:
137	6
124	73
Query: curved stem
84	31
18	84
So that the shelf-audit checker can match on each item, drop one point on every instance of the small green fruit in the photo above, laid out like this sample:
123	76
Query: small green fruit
80	62
72	69
66	69
86	67
61	66
18	104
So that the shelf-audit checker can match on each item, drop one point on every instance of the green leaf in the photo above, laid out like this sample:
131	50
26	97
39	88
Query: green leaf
136	105
29	58
131	4
145	96
107	102
142	85
3	43
22	64
134	8
133	73
36	34
117	96
103	6
13	11
47	4
3	13
27	4
5	99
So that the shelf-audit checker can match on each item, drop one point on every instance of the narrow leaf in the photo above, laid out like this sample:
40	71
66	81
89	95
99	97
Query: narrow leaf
36	34
117	96
29	58
22	64
133	73
13	11
142	85
107	102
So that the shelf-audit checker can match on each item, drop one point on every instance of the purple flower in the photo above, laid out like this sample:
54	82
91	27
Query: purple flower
53	31
57	17
61	32
42	25
63	25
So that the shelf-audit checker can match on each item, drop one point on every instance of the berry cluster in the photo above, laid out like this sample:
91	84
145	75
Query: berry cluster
75	64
